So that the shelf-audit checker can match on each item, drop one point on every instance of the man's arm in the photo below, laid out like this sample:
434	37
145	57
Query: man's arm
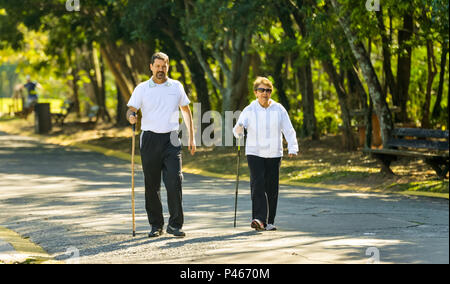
187	115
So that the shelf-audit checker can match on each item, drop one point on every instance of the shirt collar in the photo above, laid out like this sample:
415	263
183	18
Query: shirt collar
152	84
258	105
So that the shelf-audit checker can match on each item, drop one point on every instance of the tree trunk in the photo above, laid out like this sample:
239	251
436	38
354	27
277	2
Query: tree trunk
196	70
366	104
240	94
357	101
240	70
431	66
369	125
349	139
304	73
74	86
234	88
279	82
126	85
390	80
308	107
94	62
404	66
309	116
76	100
201	86
448	108
104	109
122	108
369	74
437	109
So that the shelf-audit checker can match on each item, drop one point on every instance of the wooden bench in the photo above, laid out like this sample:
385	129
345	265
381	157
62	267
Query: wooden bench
66	108
430	145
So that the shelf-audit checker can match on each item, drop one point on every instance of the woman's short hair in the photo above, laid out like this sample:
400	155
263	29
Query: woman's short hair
262	80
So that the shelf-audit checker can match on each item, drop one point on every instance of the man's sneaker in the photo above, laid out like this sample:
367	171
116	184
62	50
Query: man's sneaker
155	232
257	225
176	232
271	227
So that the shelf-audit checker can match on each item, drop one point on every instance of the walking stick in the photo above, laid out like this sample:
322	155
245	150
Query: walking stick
133	143
237	178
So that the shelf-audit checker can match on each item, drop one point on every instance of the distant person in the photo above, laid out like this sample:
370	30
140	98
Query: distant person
160	100
265	121
32	97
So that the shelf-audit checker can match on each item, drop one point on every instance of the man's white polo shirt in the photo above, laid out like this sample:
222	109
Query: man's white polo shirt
159	104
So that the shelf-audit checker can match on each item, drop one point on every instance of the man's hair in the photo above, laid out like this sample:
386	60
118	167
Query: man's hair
160	55
262	80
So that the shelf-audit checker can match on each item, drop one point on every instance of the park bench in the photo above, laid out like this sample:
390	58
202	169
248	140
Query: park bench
66	108
430	145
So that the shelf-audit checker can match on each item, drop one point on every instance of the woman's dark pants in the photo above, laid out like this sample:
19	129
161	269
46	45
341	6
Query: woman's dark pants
264	184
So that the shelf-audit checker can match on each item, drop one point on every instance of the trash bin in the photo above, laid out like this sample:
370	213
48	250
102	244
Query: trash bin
42	120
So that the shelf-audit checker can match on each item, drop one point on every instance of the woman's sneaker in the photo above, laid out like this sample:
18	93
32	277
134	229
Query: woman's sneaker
271	227
257	225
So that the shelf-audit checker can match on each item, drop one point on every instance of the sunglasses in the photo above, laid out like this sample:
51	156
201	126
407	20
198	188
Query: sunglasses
262	90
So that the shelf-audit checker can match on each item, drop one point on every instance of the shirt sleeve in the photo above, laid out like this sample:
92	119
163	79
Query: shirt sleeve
243	119
289	132
135	99
184	100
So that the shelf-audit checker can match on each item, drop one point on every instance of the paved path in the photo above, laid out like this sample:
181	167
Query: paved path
75	204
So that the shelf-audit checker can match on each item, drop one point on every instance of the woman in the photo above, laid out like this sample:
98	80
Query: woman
265	121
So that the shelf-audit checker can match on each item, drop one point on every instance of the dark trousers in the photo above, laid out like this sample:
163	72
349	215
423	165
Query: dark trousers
264	184
159	155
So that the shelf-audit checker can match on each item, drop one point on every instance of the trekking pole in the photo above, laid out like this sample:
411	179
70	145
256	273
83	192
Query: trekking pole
133	143
237	177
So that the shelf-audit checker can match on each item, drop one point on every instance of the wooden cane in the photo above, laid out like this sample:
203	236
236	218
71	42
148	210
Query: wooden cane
133	143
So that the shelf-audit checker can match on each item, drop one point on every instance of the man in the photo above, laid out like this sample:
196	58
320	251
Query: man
159	99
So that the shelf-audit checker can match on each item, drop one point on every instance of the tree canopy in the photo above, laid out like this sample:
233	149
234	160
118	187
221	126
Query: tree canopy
329	59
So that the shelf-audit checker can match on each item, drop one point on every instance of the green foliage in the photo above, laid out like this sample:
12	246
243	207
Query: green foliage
43	39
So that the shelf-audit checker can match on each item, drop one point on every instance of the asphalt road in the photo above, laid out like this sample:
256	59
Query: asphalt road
76	204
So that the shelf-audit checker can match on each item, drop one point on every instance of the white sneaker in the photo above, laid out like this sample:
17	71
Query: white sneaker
271	227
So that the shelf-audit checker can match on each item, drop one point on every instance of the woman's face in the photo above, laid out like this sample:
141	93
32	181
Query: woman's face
263	93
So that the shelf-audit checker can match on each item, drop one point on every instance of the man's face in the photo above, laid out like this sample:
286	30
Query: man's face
159	69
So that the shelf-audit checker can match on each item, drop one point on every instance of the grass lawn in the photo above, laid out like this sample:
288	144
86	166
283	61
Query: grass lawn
319	164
